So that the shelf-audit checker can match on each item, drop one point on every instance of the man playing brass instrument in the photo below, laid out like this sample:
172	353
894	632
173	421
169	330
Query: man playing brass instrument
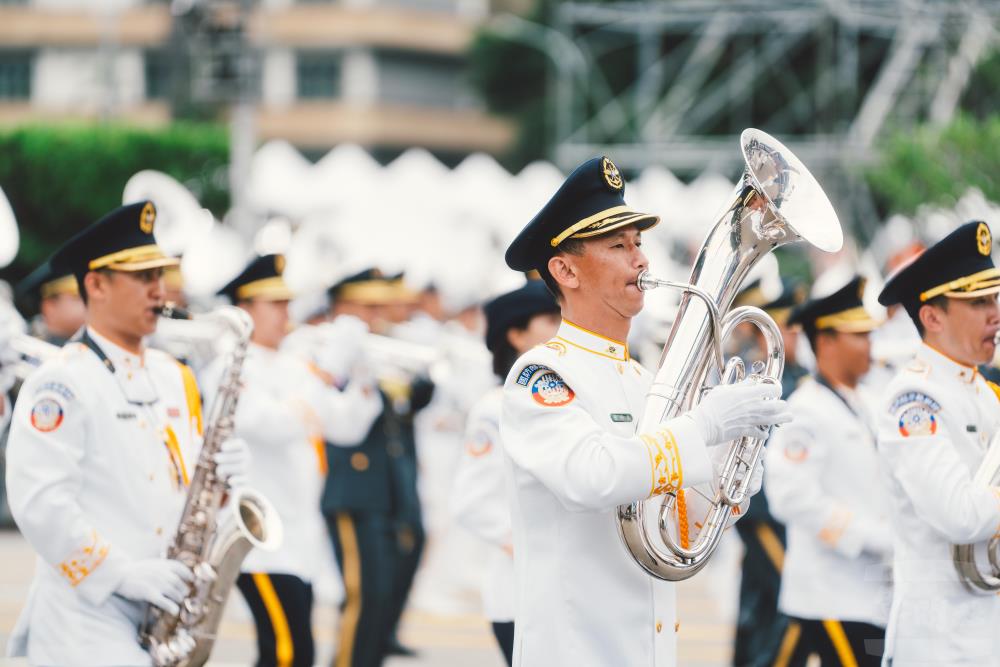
936	422
568	418
103	440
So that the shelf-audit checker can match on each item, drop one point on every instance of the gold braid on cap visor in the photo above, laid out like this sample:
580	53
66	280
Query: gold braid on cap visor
599	223
133	259
273	288
856	319
967	287
64	285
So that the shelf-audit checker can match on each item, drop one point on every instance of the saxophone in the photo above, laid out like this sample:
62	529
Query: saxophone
214	534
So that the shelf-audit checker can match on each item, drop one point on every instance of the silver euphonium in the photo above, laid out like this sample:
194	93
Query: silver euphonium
218	526
978	565
777	201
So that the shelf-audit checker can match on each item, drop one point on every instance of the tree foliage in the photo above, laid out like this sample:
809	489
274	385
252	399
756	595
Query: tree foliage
937	165
60	179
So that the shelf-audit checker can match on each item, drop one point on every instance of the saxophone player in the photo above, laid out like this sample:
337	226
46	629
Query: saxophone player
936	421
568	419
286	412
823	480
102	443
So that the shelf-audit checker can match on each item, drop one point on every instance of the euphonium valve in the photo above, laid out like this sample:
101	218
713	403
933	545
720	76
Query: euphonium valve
777	201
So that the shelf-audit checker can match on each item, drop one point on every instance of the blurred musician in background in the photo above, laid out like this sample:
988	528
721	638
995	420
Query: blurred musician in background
286	413
53	302
370	498
823	479
515	322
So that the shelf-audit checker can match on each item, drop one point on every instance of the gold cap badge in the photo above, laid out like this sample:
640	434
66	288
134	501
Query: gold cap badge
612	176
984	240
279	264
147	218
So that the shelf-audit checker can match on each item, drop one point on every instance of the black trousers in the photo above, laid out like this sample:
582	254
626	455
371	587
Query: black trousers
409	541
364	544
504	632
759	626
282	611
837	643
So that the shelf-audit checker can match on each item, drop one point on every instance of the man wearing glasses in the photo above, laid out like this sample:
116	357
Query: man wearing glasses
103	442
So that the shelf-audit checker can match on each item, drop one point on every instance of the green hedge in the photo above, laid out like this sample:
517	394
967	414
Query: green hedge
937	165
61	178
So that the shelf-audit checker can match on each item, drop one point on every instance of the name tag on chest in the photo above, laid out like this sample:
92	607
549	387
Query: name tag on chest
621	417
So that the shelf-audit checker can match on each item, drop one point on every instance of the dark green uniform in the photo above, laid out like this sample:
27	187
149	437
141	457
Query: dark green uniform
373	513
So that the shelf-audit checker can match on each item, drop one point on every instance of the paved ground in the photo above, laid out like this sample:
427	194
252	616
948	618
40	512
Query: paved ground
443	639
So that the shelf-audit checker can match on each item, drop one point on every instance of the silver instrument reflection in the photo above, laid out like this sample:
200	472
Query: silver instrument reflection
978	565
777	201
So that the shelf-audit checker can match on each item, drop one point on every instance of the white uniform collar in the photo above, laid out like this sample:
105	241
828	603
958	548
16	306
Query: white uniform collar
949	367
130	371
119	356
576	336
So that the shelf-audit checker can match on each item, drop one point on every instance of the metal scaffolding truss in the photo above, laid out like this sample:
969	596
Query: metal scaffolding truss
828	77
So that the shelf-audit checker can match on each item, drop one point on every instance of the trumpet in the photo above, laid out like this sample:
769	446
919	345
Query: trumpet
978	565
776	202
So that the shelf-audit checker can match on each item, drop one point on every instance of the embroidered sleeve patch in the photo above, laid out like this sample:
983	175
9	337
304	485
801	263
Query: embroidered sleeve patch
548	389
47	414
524	377
479	444
916	414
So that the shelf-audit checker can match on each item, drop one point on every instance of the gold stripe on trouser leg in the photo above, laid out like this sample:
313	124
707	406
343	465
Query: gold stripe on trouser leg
771	545
840	643
351	567
788	644
284	650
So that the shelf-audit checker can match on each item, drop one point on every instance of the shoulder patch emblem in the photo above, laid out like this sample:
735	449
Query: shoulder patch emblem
524	377
550	390
916	414
47	414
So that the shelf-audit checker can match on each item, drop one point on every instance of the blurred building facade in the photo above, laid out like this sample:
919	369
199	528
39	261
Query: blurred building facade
385	74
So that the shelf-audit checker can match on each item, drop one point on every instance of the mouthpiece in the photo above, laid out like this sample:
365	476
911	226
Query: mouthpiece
646	281
172	311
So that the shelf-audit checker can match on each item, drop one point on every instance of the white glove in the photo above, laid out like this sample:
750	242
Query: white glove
233	462
161	582
342	345
728	412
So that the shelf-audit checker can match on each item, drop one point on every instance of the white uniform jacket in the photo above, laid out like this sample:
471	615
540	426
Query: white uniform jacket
824	481
937	420
285	412
570	409
480	503
95	481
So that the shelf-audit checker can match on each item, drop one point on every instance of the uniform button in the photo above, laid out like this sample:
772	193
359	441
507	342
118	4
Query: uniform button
159	530
151	477
677	626
659	626
359	461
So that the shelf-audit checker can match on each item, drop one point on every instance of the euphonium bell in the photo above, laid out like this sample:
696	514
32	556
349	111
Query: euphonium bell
776	202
